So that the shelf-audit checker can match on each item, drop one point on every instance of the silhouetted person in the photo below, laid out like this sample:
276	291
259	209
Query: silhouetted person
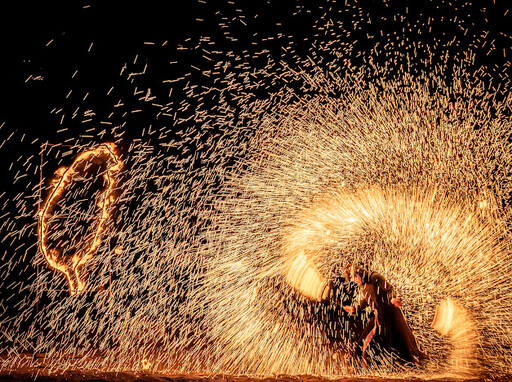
388	320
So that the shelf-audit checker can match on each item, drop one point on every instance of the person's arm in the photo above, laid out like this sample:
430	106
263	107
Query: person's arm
397	302
387	288
363	303
393	298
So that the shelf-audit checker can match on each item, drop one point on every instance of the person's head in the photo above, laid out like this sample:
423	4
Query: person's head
355	274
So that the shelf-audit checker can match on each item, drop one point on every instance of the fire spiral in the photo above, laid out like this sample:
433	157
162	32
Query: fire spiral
70	266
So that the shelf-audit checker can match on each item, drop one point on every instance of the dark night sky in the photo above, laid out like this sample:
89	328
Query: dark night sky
118	30
43	43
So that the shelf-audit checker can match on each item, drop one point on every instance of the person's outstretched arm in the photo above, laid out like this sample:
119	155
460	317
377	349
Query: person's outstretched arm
379	281
363	303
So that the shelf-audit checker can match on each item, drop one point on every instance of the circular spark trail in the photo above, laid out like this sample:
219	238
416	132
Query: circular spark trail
371	180
70	267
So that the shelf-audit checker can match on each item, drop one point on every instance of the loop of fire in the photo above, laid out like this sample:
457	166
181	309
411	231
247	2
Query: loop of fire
69	236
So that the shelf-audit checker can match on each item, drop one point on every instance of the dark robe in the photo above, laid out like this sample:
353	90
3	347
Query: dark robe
394	331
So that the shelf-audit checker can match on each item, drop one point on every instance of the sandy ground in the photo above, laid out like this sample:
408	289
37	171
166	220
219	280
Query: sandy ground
25	376
30	373
76	376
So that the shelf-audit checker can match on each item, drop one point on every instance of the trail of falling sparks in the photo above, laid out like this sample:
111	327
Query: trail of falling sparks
106	153
261	183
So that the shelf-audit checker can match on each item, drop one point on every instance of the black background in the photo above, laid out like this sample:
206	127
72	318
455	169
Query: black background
118	30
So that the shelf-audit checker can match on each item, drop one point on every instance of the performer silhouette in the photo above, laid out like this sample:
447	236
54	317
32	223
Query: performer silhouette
388	320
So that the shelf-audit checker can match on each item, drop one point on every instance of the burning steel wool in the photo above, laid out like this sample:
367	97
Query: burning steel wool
204	223
369	180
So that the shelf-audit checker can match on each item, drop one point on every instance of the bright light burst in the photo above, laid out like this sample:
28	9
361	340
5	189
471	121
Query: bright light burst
242	201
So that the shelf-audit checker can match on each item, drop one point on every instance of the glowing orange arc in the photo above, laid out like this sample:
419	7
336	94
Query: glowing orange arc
106	152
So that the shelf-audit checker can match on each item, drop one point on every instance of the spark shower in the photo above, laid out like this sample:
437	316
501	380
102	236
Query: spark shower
208	234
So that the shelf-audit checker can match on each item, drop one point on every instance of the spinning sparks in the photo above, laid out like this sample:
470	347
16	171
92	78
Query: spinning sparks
304	276
453	320
71	266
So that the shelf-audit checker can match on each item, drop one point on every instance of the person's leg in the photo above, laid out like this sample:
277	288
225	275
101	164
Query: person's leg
361	339
367	329
367	341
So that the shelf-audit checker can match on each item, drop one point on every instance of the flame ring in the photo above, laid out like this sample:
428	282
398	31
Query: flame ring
64	177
